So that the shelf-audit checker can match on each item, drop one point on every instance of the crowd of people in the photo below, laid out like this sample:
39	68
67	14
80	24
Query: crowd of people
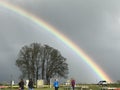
55	84
21	84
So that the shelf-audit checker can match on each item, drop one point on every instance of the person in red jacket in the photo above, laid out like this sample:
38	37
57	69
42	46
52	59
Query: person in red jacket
73	83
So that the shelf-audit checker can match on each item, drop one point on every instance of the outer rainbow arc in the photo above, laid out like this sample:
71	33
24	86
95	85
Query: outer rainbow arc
59	35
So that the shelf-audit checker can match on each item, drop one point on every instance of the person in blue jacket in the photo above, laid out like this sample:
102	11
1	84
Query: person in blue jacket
56	84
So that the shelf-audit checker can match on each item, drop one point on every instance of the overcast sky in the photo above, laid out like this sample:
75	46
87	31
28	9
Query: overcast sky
94	25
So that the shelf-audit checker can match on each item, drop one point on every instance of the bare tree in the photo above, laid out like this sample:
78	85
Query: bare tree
36	61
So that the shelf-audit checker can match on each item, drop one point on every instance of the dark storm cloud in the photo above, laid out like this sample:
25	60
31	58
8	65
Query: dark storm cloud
92	24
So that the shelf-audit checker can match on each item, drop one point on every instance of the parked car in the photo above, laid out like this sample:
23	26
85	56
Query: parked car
102	83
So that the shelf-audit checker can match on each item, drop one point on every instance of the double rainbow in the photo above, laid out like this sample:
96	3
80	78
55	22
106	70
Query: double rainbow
59	35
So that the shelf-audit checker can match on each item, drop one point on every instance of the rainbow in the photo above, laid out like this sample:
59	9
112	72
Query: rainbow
60	36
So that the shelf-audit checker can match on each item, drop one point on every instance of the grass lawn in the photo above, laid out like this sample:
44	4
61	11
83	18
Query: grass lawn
47	89
91	86
34	89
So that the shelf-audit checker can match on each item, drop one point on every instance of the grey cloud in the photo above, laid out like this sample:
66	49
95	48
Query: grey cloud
92	24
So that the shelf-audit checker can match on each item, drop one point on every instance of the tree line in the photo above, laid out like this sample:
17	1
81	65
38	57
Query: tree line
38	61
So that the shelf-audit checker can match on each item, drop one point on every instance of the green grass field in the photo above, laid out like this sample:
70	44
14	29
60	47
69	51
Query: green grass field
34	89
91	87
16	88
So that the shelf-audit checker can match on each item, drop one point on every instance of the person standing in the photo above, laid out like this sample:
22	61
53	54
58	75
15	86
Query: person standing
30	84
73	83
21	84
56	84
